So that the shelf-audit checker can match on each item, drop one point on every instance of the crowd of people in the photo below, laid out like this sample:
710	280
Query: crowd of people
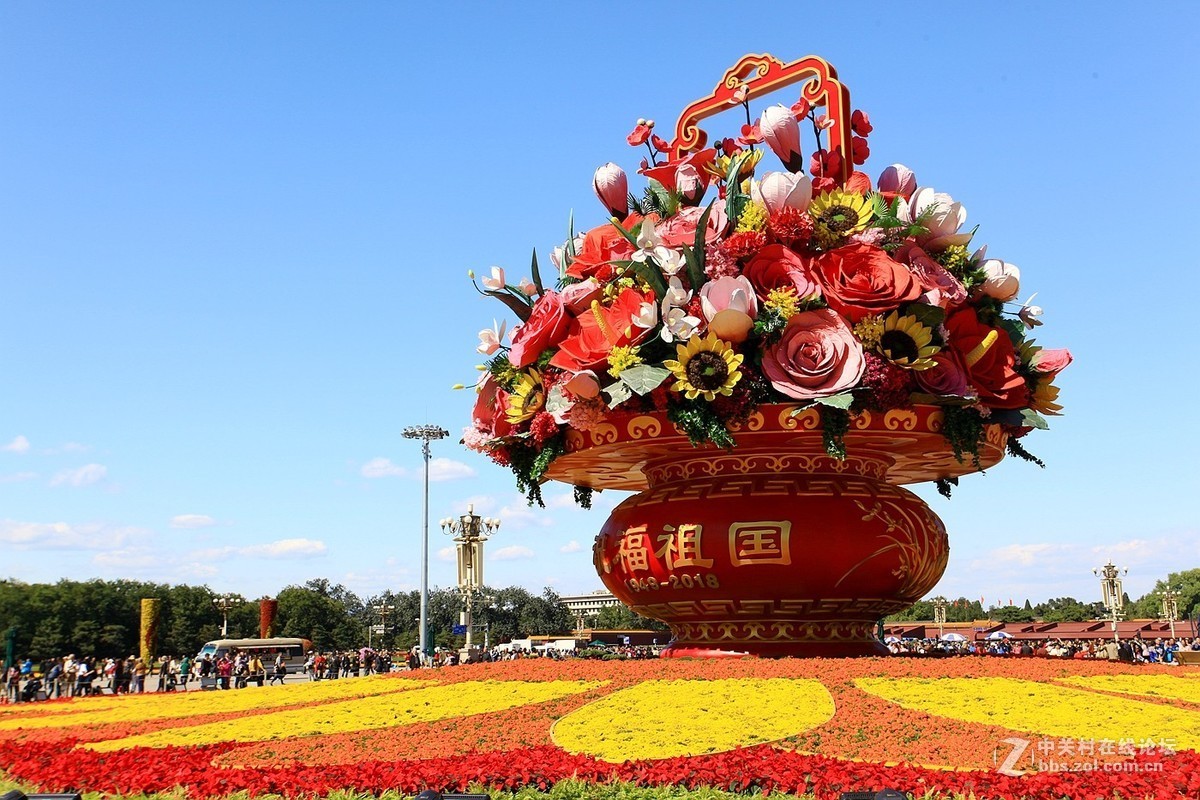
1130	651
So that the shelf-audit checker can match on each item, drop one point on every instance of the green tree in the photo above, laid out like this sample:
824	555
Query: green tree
620	617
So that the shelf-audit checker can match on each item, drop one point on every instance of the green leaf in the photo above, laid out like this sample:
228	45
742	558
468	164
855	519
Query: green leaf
929	316
1032	419
537	277
644	378
734	199
842	400
666	201
522	310
696	273
618	393
648	273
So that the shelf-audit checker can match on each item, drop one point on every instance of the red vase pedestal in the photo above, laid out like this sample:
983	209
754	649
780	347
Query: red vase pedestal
772	548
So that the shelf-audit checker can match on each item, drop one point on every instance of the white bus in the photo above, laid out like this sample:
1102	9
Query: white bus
294	650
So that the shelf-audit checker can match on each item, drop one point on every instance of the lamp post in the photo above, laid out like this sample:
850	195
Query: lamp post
939	613
426	433
470	531
226	603
1112	593
383	609
1170	607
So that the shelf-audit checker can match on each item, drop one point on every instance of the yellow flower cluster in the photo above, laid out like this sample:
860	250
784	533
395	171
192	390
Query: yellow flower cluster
139	707
783	301
754	218
372	713
1171	687
621	359
662	719
1047	709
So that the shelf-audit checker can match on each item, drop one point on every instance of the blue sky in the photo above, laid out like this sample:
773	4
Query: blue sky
234	241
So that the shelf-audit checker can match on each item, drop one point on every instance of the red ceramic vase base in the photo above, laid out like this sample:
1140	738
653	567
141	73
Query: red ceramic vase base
772	548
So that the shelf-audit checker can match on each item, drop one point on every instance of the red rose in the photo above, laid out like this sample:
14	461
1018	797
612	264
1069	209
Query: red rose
778	267
817	356
546	327
990	359
861	279
601	246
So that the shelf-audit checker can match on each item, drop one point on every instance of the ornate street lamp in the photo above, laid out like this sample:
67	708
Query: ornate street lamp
1112	594
939	613
226	603
383	609
426	433
1170	607
470	531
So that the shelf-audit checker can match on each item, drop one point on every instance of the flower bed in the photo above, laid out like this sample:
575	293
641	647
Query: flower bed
818	726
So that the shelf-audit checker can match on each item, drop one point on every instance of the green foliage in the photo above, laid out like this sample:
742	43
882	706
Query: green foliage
583	496
660	199
834	424
700	422
529	465
964	430
620	618
945	486
769	325
502	371
1015	448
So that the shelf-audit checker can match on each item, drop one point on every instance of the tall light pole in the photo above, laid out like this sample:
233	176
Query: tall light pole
939	613
226	603
383	609
426	433
470	531
1170	607
1112	593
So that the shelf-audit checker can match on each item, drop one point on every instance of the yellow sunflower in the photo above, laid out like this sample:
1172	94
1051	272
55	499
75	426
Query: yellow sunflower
841	213
527	397
1044	399
907	342
705	367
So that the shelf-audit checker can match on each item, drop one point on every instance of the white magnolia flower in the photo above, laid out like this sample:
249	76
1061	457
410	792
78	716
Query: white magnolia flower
496	282
489	338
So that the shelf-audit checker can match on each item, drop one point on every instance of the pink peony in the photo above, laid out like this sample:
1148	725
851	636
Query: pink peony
817	356
941	288
945	218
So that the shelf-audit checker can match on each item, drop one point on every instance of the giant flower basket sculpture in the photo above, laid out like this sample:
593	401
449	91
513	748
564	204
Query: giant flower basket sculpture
765	357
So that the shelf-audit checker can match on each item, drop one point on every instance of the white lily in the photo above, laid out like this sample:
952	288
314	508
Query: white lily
677	324
668	260
647	316
1029	313
647	240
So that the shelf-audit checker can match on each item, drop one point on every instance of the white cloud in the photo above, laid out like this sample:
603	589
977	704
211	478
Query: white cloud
81	476
571	547
64	536
1024	554
381	468
512	553
130	558
446	554
447	469
18	477
18	445
192	521
285	548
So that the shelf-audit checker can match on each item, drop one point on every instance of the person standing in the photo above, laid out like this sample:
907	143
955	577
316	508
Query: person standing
54	679
185	671
279	670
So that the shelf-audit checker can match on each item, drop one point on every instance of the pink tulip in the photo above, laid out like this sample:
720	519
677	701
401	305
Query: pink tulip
782	134
1052	362
779	190
612	187
945	218
690	184
897	181
730	306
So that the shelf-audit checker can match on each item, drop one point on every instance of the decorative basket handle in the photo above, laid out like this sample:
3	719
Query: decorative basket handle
762	74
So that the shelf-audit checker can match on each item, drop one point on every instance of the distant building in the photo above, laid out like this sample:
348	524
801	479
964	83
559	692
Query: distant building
587	605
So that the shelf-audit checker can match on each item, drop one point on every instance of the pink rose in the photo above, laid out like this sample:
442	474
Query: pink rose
778	267
681	228
817	356
578	297
546	327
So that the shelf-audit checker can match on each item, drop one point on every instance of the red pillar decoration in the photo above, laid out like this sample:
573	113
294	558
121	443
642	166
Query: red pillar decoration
267	608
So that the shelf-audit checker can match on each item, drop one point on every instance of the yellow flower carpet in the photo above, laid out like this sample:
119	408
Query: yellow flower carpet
991	727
